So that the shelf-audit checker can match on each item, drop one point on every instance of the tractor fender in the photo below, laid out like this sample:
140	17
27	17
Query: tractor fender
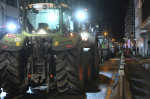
61	43
12	42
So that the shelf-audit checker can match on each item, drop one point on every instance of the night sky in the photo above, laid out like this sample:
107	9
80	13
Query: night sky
114	12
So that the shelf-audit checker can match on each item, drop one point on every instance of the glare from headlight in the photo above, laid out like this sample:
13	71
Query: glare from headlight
41	32
81	15
85	36
53	16
11	27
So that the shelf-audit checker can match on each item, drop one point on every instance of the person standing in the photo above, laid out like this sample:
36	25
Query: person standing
134	49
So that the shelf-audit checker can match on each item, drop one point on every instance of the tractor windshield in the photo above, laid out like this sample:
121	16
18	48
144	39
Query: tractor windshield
42	21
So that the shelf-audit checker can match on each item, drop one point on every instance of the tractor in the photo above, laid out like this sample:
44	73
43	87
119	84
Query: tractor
44	54
91	44
48	52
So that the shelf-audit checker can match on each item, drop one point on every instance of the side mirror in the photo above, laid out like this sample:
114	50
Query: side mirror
20	20
21	8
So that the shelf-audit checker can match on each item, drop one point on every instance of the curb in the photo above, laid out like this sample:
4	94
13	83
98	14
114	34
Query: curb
120	88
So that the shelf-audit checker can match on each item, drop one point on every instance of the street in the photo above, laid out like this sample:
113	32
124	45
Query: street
97	89
138	78
136	74
74	49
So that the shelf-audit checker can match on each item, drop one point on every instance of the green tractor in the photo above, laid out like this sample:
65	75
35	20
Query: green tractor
91	45
45	53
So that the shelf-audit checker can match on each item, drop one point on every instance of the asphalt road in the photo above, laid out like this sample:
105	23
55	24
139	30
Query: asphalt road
97	89
139	79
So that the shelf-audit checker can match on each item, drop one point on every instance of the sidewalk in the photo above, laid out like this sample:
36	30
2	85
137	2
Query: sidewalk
145	62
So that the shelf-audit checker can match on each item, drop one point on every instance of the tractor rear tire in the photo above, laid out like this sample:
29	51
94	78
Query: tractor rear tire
11	72
95	62
1	58
70	70
88	67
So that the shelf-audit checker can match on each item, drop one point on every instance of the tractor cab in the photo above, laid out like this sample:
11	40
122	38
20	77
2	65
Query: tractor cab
46	18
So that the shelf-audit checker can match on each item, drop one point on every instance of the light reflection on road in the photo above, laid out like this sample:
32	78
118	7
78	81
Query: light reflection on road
3	95
97	93
107	74
96	90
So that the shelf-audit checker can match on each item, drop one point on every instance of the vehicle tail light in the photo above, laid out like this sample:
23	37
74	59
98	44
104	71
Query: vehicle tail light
29	76
51	76
4	46
10	35
68	35
68	46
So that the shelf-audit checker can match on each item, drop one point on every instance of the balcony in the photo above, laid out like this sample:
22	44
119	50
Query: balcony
146	23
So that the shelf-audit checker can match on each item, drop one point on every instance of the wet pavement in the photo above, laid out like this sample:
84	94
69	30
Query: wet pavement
97	89
138	77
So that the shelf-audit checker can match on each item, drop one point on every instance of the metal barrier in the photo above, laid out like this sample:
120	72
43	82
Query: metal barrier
123	82
120	88
121	78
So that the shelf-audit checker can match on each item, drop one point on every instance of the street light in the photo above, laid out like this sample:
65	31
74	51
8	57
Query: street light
113	40
105	33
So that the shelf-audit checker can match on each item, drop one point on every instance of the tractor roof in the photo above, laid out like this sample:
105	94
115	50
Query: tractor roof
39	6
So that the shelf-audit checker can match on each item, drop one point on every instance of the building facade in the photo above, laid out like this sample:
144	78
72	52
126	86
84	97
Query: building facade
9	12
142	27
146	25
140	46
130	25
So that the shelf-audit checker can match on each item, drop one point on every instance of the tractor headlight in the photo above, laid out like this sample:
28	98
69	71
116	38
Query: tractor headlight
81	15
85	36
41	32
11	27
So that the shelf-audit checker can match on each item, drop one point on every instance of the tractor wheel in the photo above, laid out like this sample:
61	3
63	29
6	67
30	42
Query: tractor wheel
88	67
95	62
100	53
11	72
1	58
70	70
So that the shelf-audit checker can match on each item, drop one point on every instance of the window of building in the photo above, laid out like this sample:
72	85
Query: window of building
12	2
2	0
145	10
10	19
